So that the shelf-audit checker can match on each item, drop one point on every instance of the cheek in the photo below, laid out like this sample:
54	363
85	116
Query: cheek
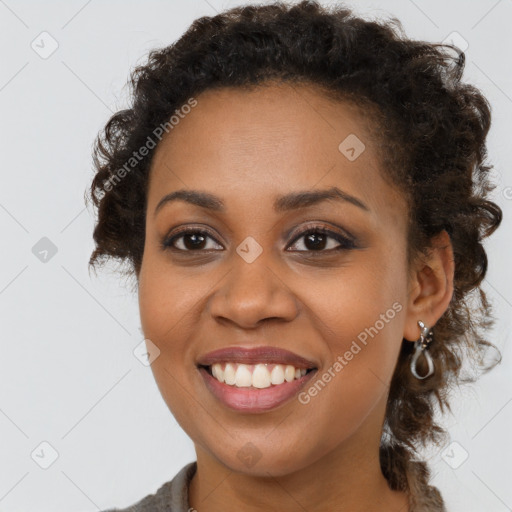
364	340
165	303
360	315
358	300
166	300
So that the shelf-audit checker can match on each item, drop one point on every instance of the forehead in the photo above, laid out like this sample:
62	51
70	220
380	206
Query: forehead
270	140
283	119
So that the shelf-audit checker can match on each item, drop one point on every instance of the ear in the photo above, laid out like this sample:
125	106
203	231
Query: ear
430	287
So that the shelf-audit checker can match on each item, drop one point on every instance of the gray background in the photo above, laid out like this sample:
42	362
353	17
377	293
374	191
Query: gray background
68	374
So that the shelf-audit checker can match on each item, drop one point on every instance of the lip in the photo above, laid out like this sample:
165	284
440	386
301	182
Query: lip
253	400
263	354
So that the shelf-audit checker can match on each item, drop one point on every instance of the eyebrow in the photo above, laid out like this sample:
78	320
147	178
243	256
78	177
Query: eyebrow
292	201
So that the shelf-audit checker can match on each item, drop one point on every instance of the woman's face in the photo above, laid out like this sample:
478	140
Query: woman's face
253	281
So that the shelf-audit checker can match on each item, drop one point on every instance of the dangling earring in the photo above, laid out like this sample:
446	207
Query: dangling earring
426	337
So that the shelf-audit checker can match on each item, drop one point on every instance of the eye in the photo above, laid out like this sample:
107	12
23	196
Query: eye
317	240
190	240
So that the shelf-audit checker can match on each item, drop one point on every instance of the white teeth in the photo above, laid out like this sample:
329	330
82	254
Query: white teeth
289	373
258	375
277	375
229	374
218	372
243	377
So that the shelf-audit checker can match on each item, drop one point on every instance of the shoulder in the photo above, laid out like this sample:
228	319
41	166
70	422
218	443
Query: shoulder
171	496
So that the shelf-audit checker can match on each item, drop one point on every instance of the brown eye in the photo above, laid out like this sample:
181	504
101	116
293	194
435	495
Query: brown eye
320	239
316	239
189	240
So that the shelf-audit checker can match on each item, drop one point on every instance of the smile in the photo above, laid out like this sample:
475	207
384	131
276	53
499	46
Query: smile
250	398
260	375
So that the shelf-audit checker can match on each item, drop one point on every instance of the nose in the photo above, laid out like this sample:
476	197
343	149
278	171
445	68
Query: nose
252	294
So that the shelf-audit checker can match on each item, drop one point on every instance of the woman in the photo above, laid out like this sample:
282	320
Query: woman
301	196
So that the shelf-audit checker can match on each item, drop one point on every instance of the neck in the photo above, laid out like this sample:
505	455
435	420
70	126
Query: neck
308	489
347	479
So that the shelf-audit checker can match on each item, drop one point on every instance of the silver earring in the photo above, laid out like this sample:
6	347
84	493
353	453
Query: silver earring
419	348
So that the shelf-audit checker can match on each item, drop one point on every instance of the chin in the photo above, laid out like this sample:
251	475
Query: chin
253	462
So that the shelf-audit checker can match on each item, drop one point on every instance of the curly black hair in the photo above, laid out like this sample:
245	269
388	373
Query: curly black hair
432	130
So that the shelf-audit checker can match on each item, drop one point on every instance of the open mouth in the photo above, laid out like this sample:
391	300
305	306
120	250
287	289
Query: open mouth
209	369
259	375
255	388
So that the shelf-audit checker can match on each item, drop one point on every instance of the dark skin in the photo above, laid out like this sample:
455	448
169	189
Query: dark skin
248	147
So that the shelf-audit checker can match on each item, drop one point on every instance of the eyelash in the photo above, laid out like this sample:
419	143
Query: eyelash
345	242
